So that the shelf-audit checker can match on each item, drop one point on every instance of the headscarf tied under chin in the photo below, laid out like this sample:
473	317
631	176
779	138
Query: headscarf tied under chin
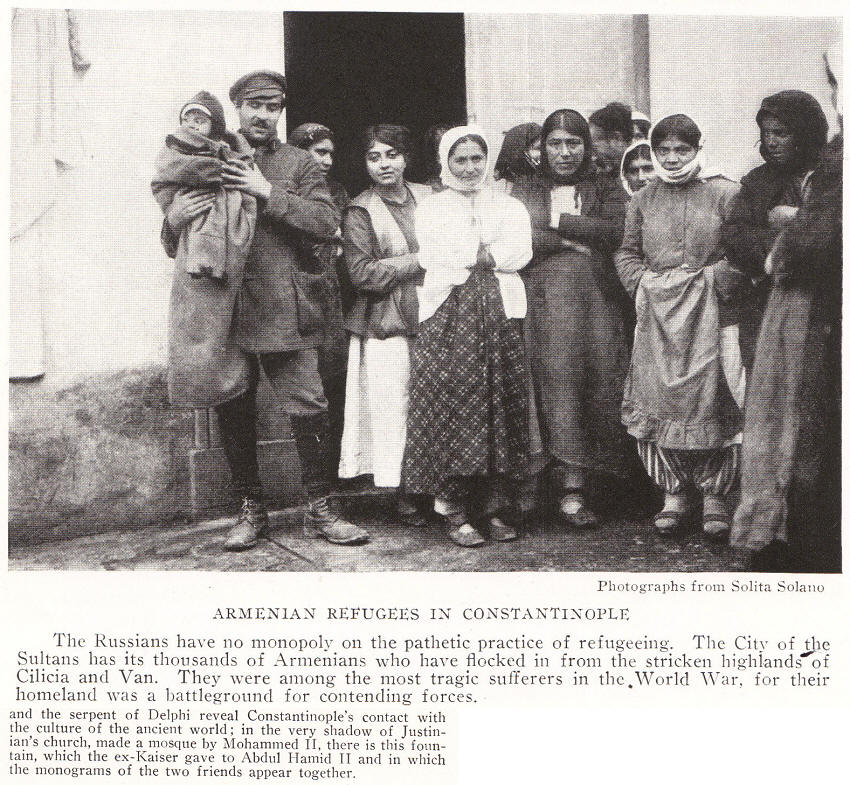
573	123
513	160
693	170
448	141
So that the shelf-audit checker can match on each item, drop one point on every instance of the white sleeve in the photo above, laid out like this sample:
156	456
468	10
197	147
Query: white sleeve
441	244
512	248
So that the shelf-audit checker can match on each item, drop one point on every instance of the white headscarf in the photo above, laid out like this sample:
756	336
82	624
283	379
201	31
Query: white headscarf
452	224
693	170
448	141
631	148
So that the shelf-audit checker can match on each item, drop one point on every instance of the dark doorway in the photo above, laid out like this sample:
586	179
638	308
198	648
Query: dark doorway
350	70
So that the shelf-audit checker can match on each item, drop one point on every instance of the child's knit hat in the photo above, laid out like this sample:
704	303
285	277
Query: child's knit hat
210	105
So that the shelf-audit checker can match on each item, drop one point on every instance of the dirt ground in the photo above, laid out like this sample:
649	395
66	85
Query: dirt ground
619	545
77	502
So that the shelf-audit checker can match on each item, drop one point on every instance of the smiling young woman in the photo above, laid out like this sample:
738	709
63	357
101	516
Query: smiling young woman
683	395
381	253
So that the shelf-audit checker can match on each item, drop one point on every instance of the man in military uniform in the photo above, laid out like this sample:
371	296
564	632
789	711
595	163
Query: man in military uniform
279	310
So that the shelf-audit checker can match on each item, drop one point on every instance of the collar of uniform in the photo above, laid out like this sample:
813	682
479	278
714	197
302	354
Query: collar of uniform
272	146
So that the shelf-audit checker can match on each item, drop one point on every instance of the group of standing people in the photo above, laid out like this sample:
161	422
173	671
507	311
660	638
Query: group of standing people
490	348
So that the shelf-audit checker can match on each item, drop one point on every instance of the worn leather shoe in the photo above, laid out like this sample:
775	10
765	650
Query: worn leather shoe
715	518
578	515
253	520
322	520
409	514
715	526
500	531
668	523
461	532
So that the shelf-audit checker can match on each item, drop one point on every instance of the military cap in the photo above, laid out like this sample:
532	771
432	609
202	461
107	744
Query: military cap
259	84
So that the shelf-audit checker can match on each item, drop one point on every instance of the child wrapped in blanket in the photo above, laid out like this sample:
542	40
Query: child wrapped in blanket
216	243
205	364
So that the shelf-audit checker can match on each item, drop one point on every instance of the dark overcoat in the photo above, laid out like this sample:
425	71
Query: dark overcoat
747	236
205	365
281	305
790	472
281	301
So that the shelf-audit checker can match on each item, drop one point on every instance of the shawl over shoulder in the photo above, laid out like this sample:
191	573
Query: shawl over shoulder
451	226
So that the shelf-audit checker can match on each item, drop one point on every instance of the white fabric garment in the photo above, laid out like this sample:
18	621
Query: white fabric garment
564	201
390	237
30	253
834	57
45	135
631	148
733	366
376	403
694	169
452	224
450	227
446	143
194	108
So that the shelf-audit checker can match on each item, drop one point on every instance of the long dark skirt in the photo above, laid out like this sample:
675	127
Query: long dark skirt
468	415
333	356
578	358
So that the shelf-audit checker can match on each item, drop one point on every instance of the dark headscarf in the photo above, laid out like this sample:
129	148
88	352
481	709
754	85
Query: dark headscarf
431	152
803	116
308	134
573	123
513	161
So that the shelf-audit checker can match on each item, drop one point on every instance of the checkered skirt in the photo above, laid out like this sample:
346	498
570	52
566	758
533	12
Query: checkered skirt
468	414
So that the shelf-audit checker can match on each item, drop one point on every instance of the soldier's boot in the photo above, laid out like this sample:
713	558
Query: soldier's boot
253	521
323	517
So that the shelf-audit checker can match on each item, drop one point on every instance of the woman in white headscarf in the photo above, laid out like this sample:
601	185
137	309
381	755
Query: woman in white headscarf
683	393
467	431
